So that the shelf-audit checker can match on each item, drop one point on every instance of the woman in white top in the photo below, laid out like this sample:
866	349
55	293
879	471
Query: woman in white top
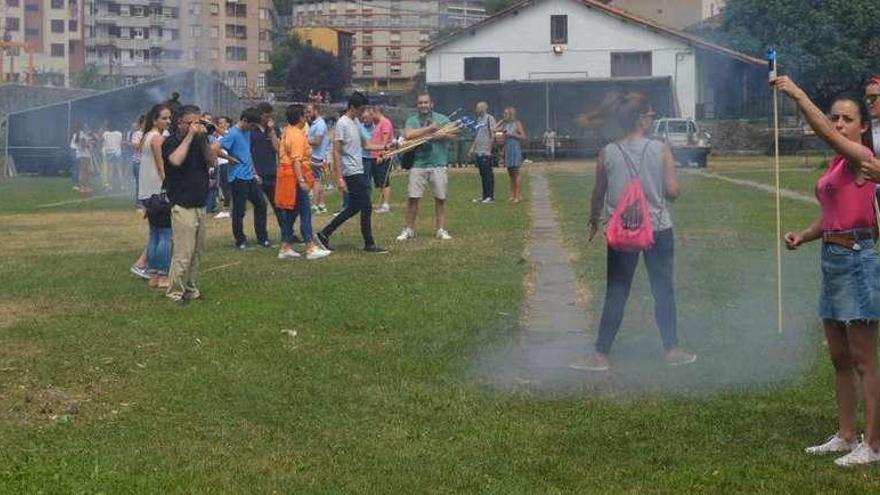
81	143
151	176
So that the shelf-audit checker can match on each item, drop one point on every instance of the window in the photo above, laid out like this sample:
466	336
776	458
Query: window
57	4
394	53
261	81
559	29
31	32
215	53
264	14
13	24
367	70
12	3
138	11
396	69
215	31
236	31
236	53
73	25
214	9
633	64
264	57
32	7
195	8
367	53
57	49
195	31
482	69
234	9
57	26
138	33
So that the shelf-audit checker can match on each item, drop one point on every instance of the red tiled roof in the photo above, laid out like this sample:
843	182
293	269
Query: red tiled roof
615	12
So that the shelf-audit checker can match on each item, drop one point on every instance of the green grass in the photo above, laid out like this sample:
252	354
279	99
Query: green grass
376	393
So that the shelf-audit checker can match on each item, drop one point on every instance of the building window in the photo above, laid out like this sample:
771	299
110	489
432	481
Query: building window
559	29
13	24
367	53
264	14
195	31
633	64
235	9
482	69
12	3
57	26
73	25
396	70
30	32
215	31
235	31
261	81
264	57
238	53
215	53
367	70
31	7
195	8
214	8
57	49
57	4
138	11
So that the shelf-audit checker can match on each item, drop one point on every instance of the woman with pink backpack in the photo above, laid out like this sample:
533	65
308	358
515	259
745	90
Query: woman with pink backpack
635	181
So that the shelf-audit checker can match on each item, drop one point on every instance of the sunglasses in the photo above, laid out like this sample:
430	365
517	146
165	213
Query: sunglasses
871	99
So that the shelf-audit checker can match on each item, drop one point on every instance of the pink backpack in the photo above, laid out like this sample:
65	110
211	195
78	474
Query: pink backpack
629	228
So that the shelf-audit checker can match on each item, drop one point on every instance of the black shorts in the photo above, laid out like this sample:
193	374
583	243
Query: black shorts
382	174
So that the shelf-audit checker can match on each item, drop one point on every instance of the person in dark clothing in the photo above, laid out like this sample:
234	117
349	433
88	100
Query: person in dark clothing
265	139
244	181
187	156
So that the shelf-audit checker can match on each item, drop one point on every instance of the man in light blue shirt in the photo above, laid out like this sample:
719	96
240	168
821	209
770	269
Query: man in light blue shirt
366	125
320	143
243	180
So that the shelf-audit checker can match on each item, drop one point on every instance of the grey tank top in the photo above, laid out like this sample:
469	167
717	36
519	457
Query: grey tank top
650	164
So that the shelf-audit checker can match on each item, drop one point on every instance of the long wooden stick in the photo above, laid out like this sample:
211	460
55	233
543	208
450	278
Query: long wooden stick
778	209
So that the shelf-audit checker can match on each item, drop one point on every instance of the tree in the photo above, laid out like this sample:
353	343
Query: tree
828	46
495	6
302	68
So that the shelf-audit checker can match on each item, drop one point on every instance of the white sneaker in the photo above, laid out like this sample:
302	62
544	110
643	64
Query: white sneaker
289	254
833	444
488	201
385	208
406	233
443	235
317	254
221	215
863	454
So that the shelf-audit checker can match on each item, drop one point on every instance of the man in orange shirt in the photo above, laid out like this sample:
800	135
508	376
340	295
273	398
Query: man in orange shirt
292	186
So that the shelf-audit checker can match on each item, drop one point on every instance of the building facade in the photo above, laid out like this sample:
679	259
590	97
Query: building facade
130	41
339	42
388	34
53	33
585	40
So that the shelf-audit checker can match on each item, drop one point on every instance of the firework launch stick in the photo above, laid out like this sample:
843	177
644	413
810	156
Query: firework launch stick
771	60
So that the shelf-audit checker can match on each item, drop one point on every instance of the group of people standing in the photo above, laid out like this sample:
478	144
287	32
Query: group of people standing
494	139
100	153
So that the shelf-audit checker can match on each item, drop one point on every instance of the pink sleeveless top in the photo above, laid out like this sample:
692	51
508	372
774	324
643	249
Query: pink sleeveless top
847	202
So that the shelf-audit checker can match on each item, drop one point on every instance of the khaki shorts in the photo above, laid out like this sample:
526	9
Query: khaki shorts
421	178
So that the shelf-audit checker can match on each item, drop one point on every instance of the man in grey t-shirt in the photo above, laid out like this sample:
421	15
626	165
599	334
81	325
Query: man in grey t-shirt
481	151
348	146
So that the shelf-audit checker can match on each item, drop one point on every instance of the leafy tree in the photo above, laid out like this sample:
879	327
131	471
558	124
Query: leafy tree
301	68
828	46
494	6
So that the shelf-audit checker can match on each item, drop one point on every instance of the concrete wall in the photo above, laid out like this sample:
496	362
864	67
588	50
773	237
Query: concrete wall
522	42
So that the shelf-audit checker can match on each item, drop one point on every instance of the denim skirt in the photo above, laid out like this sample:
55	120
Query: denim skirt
850	283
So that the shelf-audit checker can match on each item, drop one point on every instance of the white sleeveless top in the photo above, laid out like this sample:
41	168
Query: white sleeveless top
149	182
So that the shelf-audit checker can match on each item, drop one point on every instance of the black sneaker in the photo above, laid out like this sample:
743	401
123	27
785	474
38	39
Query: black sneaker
323	241
375	249
265	244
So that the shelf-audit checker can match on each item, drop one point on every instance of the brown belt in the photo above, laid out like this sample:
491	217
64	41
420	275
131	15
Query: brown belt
849	240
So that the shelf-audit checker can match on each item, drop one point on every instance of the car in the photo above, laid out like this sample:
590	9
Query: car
690	146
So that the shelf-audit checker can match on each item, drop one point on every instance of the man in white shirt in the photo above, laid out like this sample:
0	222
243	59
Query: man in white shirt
111	148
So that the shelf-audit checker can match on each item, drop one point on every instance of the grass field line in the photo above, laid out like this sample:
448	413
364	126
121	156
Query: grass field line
81	200
785	193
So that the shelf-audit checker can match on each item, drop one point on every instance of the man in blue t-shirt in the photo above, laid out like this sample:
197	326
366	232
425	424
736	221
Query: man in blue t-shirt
366	124
319	139
243	180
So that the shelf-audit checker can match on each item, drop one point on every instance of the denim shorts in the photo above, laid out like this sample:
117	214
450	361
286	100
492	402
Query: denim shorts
850	283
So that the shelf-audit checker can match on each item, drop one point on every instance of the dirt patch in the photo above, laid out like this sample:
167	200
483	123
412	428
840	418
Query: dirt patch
33	405
13	311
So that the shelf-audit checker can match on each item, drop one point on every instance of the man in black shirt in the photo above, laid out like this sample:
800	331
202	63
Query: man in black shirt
187	156
264	151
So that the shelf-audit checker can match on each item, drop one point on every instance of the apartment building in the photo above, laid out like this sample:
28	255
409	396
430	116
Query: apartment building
131	41
53	31
388	34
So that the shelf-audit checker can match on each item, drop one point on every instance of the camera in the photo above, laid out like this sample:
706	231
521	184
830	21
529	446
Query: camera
209	127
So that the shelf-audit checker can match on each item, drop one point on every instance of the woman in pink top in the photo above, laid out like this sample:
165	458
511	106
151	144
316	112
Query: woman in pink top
849	300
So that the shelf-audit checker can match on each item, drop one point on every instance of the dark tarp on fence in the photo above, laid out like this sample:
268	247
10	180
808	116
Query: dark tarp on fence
38	139
555	105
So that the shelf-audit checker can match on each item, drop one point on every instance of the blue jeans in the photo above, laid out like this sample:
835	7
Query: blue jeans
621	268
369	166
303	210
487	177
159	250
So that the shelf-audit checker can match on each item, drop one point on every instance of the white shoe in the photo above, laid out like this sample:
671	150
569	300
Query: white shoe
833	444
863	454
488	201
443	235
289	254
406	233
221	215
384	209
317	254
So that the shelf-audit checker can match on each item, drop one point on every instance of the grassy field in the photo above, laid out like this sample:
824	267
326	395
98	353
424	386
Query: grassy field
105	387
